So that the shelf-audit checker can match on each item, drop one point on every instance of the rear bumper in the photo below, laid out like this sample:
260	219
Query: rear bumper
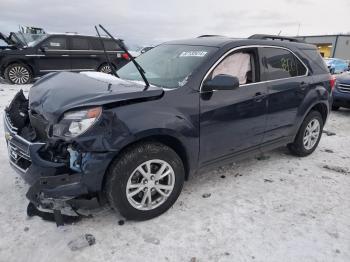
53	185
341	98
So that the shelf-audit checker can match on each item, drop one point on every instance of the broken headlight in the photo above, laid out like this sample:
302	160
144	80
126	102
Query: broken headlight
74	123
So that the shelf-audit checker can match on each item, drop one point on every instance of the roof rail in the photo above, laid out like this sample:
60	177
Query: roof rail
275	37
208	36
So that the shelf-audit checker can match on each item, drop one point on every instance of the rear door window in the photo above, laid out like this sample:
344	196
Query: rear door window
56	43
79	43
280	63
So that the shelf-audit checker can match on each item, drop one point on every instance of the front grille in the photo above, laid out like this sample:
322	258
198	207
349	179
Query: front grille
18	148
18	157
344	88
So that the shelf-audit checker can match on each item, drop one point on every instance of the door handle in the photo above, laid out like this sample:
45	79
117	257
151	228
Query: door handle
64	55
259	96
93	55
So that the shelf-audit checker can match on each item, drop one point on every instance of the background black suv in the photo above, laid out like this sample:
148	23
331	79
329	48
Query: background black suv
59	52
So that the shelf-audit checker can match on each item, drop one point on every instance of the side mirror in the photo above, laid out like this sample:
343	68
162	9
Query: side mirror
221	82
43	49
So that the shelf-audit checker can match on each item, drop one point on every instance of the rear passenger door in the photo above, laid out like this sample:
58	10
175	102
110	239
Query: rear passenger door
288	83
83	58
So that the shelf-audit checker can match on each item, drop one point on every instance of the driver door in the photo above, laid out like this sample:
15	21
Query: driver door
54	55
233	121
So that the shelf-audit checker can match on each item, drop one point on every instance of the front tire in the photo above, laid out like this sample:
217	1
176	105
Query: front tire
18	74
145	181
308	136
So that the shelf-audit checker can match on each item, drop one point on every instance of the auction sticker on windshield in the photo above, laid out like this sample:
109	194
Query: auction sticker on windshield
193	53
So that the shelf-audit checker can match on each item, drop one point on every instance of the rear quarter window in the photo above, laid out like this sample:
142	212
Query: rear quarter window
315	61
109	44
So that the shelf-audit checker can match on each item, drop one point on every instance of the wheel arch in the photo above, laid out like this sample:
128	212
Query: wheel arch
166	139
19	61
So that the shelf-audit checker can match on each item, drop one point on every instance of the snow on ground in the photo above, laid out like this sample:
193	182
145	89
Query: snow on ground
278	208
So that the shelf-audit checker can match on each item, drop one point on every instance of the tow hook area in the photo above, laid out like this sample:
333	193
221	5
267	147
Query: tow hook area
56	216
57	195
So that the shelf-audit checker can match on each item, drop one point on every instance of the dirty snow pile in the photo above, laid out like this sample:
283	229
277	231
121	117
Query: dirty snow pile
275	207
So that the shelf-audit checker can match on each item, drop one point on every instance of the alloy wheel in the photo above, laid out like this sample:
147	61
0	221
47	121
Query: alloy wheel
150	184
19	74
311	134
105	69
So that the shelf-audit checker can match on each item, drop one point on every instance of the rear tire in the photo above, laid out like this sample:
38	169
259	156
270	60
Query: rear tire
105	68
135	187
18	74
308	136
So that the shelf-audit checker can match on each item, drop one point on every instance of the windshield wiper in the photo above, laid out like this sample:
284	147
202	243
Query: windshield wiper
113	71
123	47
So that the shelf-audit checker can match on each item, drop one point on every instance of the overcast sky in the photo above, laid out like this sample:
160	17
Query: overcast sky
155	21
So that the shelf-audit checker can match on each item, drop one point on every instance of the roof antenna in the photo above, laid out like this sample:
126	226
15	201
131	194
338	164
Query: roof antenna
113	72
280	32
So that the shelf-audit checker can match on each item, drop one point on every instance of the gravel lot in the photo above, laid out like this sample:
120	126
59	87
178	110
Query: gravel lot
273	208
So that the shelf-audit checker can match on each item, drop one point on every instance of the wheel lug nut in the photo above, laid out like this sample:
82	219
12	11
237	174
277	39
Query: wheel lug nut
152	177
145	189
145	181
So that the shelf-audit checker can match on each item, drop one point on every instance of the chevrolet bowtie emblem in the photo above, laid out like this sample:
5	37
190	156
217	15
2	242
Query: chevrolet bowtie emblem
8	137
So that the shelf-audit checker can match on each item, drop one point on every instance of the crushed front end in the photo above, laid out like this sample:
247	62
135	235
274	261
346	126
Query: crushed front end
62	177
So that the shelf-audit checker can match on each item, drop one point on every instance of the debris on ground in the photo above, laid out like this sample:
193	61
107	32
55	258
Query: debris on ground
26	229
338	169
238	174
328	150
223	176
121	222
151	240
82	242
329	133
262	157
206	195
193	259
268	180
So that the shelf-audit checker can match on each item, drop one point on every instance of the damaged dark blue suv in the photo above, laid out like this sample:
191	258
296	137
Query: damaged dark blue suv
83	138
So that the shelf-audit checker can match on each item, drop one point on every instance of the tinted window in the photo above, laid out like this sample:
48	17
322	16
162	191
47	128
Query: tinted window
109	44
317	64
280	63
55	43
79	43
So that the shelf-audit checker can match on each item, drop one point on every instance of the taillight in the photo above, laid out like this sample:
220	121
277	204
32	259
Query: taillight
332	81
125	56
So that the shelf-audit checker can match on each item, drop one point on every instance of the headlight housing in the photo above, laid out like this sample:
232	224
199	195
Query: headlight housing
75	123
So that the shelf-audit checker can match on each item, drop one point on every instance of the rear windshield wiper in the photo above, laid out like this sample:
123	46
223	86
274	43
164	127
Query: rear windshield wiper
123	47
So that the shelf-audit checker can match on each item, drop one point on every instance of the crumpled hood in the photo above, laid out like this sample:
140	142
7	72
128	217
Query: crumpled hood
56	93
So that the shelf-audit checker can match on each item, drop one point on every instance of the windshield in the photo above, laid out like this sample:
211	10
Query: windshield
167	66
